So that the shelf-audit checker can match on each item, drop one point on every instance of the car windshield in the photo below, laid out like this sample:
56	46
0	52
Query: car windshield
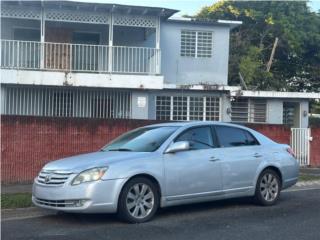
147	139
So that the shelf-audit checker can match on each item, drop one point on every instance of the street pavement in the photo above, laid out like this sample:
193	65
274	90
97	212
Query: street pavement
296	216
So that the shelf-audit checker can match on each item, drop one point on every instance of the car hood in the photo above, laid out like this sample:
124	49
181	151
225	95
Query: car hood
82	162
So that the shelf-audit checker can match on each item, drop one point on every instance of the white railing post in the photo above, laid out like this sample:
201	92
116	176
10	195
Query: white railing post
42	32
70	57
110	53
157	53
18	54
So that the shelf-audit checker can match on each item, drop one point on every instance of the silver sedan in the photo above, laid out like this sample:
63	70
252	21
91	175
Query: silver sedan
168	164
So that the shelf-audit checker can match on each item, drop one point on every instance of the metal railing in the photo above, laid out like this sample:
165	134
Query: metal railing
300	143
65	102
79	57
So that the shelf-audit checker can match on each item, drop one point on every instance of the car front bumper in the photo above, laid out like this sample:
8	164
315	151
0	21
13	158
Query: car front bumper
92	197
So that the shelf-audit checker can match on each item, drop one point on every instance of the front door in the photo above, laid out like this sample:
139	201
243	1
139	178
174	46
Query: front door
85	51
194	172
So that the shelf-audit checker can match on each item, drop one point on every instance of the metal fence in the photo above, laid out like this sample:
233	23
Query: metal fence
300	143
65	102
79	57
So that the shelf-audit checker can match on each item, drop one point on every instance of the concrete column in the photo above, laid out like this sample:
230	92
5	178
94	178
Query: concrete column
304	114
158	34
225	108
158	59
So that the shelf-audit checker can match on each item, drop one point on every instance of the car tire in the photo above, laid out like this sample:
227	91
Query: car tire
268	188
138	200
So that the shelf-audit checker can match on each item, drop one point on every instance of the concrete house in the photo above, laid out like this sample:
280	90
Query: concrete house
90	60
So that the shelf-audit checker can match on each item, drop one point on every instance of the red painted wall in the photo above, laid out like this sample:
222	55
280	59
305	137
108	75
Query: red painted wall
27	143
315	147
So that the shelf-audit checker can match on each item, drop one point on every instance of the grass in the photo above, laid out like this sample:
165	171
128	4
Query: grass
16	200
305	177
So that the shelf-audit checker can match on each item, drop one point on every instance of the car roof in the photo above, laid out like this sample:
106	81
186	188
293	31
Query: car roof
194	123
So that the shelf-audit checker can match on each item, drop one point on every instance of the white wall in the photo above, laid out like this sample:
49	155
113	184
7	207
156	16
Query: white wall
81	79
187	70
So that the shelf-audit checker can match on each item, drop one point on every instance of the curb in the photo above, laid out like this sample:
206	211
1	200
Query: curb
307	183
24	213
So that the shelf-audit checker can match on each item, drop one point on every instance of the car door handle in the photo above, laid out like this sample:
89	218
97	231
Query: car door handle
257	155
213	159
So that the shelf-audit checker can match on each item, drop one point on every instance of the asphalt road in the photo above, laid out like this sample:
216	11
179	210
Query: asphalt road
296	216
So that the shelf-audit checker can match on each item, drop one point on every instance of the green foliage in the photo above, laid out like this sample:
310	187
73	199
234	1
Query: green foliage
16	200
315	106
296	64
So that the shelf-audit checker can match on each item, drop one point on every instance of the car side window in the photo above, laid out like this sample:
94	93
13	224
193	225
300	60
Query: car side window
251	139
234	137
199	138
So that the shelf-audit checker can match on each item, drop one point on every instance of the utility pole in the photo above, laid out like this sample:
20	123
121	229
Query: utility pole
272	54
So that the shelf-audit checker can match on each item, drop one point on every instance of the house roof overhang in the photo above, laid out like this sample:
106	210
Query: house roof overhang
164	13
209	22
276	94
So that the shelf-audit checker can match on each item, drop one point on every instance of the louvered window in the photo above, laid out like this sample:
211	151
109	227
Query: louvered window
196	44
249	110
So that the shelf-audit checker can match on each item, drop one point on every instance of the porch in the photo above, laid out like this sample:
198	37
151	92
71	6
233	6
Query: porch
80	37
68	57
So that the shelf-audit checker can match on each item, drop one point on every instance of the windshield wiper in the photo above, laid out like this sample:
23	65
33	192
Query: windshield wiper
121	149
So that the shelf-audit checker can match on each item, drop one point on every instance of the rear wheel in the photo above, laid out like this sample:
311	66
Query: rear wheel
268	188
139	200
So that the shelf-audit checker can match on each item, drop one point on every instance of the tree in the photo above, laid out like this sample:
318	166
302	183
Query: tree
296	63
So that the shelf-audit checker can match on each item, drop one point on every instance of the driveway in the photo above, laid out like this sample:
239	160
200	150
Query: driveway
296	216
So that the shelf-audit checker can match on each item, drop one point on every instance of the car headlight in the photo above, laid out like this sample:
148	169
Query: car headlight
89	175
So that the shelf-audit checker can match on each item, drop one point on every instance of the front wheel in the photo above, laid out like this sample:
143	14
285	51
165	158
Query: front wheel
139	200
268	188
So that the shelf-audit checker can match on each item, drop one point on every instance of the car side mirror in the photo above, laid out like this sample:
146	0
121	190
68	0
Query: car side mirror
178	147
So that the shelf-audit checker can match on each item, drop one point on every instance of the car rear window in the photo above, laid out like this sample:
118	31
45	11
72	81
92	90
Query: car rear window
234	137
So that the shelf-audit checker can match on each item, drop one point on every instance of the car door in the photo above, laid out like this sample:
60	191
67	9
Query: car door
193	172
240	155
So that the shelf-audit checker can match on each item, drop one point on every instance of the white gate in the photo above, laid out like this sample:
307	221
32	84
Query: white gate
300	144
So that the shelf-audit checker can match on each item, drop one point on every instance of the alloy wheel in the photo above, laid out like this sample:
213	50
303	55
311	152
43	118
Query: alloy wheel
269	187
140	200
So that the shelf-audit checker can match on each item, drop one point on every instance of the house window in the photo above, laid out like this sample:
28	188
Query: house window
288	113
163	107
196	44
258	111
212	108
180	110
187	108
196	108
249	110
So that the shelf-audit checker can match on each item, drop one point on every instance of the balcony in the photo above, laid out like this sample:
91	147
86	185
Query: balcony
65	57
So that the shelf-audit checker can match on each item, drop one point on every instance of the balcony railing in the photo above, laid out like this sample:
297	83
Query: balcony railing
79	57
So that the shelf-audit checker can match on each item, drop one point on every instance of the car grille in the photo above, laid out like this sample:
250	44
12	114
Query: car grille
60	203
53	177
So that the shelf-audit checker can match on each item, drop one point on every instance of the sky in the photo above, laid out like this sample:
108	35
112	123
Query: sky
186	7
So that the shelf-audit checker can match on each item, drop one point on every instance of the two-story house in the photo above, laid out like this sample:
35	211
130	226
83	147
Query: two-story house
93	60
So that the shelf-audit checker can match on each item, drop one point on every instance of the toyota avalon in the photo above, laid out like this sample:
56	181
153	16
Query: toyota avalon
168	164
